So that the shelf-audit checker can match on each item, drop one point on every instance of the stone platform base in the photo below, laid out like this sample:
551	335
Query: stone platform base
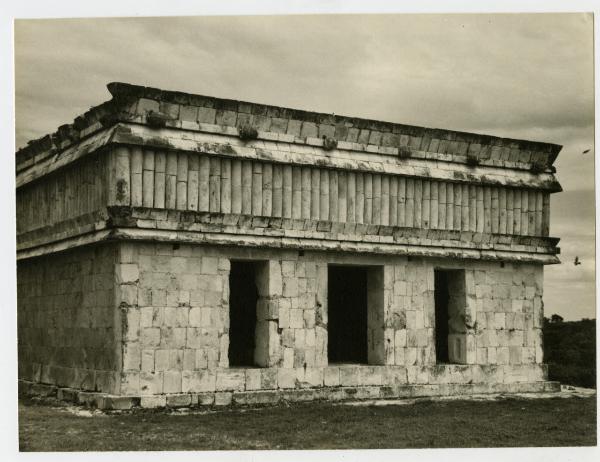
270	397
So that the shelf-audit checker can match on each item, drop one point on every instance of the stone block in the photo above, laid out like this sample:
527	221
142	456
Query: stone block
172	382
537	372
117	402
284	317
173	337
288	358
146	316
198	381
349	376
127	294
201	359
161	360
206	115
210	266
127	273
188	113
67	394
130	383
527	355
144	297
399	355
290	287
499	321
417	374
515	354
410	356
230	380
394	375
370	375
203	399
223	398
132	356
422	337
256	397
491	355
286	378
296	318
515	373
487	374
253	381
309	318
502	355
313	377
152	402
106	381
145	105
299	358
310	338
151	383
175	401
482	356
517	305
189	359
331	376
150	337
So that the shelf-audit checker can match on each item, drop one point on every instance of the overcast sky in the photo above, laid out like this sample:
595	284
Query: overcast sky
521	76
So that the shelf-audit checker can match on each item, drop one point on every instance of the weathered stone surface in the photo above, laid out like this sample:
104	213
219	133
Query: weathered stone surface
108	402
177	112
151	402
145	310
179	400
179	348
223	398
230	380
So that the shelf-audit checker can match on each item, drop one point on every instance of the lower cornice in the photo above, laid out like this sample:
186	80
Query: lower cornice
143	224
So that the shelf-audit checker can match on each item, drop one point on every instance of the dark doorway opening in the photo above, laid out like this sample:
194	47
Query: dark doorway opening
347	314
450	316
243	295
442	297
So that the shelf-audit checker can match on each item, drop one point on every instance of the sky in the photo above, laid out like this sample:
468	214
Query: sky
526	76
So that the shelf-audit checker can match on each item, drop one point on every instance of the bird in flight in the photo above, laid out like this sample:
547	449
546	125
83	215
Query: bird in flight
586	151
577	262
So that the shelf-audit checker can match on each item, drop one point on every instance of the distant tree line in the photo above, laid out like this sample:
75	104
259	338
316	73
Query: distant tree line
570	351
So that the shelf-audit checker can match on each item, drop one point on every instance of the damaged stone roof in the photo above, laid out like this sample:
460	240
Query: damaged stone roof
154	107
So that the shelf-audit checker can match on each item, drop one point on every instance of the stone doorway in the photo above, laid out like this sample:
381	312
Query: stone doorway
450	317
243	298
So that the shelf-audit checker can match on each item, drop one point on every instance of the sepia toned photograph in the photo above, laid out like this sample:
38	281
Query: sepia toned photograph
305	231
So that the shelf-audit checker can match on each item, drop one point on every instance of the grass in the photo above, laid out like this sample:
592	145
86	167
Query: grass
45	426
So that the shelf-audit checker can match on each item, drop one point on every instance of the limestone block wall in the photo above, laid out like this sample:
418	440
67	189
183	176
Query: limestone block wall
68	332
173	300
174	306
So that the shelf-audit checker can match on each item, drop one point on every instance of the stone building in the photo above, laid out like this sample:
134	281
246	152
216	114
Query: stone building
176	249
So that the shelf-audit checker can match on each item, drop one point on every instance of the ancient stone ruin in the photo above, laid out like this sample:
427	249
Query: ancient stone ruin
176	249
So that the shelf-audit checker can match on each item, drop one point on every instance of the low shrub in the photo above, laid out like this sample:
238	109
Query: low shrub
570	352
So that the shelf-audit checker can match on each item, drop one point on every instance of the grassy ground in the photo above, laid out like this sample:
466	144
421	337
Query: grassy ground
51	426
